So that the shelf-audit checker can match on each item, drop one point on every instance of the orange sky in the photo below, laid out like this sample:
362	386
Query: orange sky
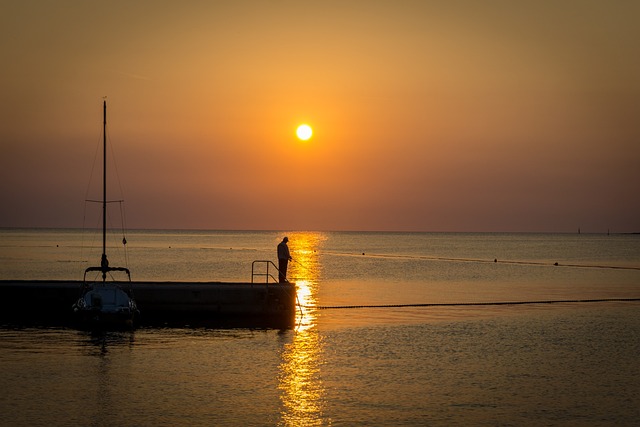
427	116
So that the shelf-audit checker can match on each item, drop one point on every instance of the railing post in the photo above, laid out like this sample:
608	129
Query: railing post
267	274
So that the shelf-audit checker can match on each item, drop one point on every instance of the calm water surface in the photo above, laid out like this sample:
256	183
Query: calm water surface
540	364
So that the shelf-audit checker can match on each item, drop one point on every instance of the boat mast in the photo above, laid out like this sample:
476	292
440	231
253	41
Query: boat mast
104	263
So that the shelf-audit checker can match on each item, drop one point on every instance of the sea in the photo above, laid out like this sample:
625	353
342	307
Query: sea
393	329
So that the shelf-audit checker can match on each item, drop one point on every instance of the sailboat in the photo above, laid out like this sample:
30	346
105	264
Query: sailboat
102	303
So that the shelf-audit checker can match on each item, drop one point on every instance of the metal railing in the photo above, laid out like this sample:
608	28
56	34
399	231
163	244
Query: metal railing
265	271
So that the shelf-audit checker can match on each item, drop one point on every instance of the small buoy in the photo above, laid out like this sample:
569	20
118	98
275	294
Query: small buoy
555	264
362	253
495	260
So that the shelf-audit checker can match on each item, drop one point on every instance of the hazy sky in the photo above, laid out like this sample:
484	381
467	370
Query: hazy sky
427	115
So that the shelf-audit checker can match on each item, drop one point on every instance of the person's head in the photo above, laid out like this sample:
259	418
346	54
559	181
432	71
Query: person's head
286	239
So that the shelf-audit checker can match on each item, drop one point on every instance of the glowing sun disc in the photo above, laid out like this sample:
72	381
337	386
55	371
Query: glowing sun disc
304	132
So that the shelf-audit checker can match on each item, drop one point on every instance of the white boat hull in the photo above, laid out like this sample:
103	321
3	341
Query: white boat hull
106	305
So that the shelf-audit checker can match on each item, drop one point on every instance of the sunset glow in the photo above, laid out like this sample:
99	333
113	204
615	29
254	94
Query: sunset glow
513	116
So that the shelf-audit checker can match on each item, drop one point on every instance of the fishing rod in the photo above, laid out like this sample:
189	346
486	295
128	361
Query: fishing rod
301	265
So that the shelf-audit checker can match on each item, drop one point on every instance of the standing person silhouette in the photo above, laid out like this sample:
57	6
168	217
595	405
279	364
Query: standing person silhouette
283	259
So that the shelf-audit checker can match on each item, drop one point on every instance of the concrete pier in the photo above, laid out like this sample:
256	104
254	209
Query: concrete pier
160	303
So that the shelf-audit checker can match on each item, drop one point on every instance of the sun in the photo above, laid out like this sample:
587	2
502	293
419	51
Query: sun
304	132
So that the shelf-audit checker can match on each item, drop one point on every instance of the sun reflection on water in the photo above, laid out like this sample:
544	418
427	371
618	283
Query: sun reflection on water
302	391
305	271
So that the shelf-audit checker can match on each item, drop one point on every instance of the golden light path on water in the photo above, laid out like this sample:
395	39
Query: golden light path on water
302	391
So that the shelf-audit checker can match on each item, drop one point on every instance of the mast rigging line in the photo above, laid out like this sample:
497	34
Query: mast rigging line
105	140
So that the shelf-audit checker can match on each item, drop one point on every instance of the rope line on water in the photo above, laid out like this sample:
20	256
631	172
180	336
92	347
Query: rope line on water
465	304
478	260
446	259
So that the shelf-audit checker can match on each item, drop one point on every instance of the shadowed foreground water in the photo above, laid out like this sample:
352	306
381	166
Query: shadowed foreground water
576	365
